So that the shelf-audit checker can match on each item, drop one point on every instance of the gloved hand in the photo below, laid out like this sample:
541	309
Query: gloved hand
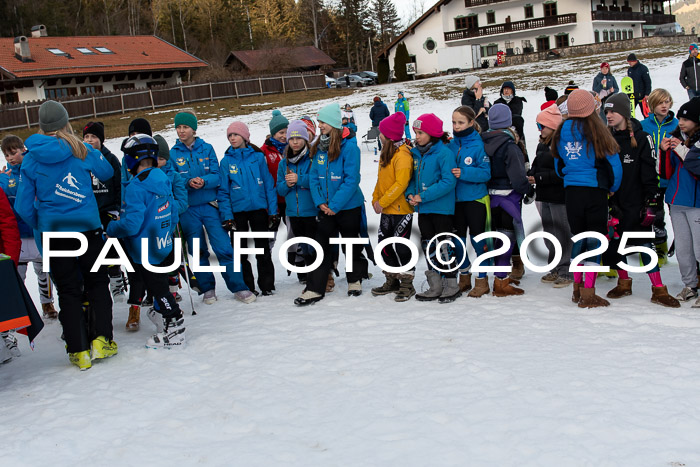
273	222
229	225
530	196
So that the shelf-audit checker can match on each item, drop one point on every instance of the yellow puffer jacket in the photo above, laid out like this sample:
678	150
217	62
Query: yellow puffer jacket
392	182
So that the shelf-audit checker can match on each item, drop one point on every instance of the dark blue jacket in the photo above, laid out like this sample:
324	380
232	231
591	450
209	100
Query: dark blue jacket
577	163
179	189
297	198
108	194
9	184
245	183
642	81
433	180
475	166
337	183
200	161
507	162
378	112
55	189
149	212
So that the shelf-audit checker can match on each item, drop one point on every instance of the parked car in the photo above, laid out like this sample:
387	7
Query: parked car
351	81
369	74
331	82
365	81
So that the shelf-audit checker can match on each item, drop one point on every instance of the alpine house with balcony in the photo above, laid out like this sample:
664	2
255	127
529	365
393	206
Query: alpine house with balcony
460	34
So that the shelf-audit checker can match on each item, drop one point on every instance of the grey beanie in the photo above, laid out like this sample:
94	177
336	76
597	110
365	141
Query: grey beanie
471	80
620	103
500	117
163	149
52	116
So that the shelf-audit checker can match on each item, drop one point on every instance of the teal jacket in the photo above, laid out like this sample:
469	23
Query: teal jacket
433	180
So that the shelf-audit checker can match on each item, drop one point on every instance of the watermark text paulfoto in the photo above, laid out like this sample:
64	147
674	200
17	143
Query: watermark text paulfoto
447	263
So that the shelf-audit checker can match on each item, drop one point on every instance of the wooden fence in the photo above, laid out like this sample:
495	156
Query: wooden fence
26	114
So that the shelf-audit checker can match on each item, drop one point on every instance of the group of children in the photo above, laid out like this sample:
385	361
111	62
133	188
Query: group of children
586	177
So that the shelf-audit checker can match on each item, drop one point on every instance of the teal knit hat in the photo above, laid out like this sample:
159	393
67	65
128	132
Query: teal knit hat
330	115
186	118
278	122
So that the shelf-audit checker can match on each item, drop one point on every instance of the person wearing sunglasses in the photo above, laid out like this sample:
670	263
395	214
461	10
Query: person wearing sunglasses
473	97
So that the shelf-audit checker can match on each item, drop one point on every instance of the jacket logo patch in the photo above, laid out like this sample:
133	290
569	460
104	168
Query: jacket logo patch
180	161
468	160
321	159
573	150
164	207
71	181
233	169
12	183
627	159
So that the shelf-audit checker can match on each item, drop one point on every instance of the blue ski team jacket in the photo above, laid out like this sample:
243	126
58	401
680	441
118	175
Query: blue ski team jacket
178	185
578	166
298	198
474	164
9	184
200	161
245	183
433	180
337	183
55	188
149	212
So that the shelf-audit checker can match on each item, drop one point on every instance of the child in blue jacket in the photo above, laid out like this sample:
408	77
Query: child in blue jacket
55	194
431	192
334	180
586	157
472	210
197	164
150	212
293	184
248	202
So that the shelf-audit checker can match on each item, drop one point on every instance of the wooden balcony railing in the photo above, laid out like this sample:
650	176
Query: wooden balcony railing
493	29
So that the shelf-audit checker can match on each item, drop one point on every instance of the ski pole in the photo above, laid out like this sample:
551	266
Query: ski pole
186	261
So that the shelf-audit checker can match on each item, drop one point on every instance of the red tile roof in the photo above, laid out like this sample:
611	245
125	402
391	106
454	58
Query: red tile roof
281	58
130	54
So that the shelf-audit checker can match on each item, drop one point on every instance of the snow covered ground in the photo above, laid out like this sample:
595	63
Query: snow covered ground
365	381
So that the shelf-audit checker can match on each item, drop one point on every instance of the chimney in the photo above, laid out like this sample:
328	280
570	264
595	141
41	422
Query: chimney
22	51
39	31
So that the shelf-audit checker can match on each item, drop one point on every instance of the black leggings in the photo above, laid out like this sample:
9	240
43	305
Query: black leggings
157	286
256	221
395	225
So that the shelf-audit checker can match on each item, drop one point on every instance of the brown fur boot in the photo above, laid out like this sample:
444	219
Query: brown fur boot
660	296
330	284
502	287
590	300
576	296
465	282
518	268
622	289
481	287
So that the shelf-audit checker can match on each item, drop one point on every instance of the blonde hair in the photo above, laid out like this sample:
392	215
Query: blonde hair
657	96
66	134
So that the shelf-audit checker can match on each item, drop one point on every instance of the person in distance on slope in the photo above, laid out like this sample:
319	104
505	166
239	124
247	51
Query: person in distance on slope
55	194
638	194
473	206
474	98
515	104
586	157
401	105
389	200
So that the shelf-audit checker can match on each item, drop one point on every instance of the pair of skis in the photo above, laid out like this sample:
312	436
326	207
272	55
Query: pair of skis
627	86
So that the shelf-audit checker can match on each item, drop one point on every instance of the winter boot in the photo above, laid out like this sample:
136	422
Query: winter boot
660	296
590	300
49	311
687	294
308	298
81	359
391	284
481	287
330	284
245	296
518	270
451	291
502	287
132	323
465	282
172	336
576	296
406	290
117	287
156	318
210	297
354	289
103	348
622	289
9	341
435	287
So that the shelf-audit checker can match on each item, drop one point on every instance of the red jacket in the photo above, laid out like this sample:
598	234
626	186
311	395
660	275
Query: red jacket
273	158
10	242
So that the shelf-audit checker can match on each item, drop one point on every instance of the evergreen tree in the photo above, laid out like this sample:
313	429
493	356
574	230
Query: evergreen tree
383	71
400	60
386	21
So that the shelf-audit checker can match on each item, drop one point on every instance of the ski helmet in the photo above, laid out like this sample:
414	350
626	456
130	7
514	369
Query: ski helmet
137	148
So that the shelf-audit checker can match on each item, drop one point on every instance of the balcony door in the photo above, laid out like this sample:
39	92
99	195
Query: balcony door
550	9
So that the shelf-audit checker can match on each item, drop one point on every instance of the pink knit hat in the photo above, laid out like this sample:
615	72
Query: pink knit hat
239	128
550	117
429	123
580	103
393	126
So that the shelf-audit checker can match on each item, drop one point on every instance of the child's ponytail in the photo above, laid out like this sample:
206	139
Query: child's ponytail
66	134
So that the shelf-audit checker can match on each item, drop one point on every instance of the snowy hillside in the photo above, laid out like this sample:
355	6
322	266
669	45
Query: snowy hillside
523	381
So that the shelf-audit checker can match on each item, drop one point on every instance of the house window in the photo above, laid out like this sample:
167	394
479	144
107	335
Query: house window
624	35
562	40
543	44
57	51
529	11
85	51
461	23
605	36
9	98
489	50
472	22
618	35
550	9
60	92
90	89
527	46
124	86
430	45
630	34
491	17
596	34
103	50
